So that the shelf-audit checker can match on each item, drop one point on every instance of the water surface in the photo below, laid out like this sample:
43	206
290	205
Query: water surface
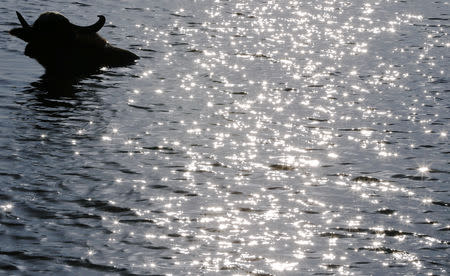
251	138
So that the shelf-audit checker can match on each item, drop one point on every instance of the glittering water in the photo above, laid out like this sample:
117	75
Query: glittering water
252	138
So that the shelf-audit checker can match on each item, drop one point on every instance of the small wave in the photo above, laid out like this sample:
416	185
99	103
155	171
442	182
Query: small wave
99	267
382	249
136	221
366	179
333	235
26	256
441	203
280	167
438	19
103	206
7	267
385	211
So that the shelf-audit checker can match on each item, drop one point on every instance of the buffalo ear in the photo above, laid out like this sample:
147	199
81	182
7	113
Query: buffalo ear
22	33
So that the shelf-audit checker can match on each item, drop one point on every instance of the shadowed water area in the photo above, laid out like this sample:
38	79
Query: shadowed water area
251	138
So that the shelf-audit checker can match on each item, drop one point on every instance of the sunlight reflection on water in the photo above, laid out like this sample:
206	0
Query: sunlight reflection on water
257	138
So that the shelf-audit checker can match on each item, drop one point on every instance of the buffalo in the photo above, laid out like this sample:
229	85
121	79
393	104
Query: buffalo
65	49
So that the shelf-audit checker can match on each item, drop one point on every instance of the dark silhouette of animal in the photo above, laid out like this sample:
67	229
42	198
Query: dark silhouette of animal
65	49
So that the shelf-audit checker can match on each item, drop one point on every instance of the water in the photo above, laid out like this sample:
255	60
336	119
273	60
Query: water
251	138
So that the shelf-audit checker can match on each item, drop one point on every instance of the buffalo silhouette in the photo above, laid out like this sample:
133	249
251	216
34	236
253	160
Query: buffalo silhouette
66	49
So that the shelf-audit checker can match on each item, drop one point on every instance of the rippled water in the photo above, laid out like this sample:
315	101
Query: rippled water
252	138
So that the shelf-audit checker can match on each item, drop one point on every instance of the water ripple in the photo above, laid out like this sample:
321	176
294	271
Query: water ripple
252	137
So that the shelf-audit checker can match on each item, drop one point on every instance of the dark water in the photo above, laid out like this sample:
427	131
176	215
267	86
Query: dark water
252	138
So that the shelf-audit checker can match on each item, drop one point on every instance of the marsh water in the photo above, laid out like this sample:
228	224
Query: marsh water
251	138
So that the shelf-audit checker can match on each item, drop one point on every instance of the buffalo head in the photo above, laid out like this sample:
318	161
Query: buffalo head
63	48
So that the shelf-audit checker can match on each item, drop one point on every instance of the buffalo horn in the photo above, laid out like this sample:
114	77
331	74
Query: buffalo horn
22	20
92	28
